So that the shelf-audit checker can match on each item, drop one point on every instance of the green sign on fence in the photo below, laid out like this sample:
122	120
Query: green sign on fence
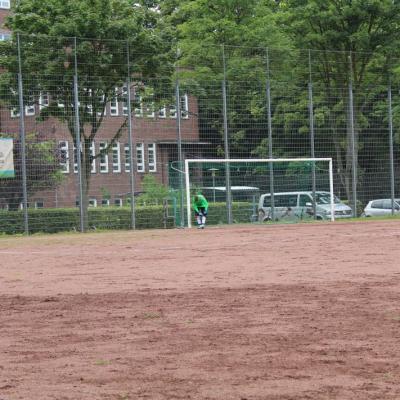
6	158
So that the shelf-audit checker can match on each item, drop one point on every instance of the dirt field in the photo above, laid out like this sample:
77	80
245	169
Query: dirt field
257	313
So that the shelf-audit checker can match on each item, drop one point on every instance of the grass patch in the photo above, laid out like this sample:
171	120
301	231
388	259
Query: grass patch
151	315
102	362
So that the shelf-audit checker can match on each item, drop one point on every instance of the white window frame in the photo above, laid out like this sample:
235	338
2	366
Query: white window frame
114	109
93	153
152	165
101	100
76	158
30	110
63	146
92	202
149	110
37	202
172	112
125	101
44	100
14	112
103	159
127	158
88	94
6	4
118	202
116	151
5	36
105	202
184	106
138	110
162	112
140	167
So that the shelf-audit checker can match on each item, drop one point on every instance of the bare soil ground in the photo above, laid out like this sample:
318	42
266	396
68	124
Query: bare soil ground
247	313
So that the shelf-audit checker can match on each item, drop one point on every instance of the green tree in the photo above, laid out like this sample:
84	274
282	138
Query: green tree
354	42
240	30
42	167
103	29
153	191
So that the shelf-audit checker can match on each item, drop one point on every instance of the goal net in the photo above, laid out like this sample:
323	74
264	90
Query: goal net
262	190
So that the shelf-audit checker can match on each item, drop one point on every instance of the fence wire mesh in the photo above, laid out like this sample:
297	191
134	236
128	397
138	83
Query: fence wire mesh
100	131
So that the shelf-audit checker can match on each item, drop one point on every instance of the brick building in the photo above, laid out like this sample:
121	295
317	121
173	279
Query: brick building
154	147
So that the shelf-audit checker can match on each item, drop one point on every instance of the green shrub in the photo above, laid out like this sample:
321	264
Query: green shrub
52	220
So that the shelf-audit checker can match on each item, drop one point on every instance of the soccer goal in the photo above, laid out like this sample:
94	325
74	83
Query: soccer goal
262	190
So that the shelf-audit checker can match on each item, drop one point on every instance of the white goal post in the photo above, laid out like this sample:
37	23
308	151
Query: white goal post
189	162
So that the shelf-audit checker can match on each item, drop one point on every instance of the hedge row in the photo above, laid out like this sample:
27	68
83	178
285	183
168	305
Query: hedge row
52	220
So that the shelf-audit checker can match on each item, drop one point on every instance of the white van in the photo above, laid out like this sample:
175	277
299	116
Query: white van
299	205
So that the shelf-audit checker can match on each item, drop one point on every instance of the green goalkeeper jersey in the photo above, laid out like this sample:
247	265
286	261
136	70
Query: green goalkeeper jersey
199	201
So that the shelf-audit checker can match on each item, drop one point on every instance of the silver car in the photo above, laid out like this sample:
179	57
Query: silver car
299	205
380	207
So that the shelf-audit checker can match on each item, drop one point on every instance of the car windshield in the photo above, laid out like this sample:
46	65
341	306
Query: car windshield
325	198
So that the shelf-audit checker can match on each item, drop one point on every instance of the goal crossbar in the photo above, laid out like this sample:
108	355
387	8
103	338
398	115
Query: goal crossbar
253	160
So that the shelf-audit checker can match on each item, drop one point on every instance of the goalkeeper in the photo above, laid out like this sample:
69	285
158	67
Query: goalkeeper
200	206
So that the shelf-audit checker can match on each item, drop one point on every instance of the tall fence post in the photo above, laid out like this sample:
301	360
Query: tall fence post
270	147
22	137
353	141
312	133
391	155
226	141
180	153
78	137
130	138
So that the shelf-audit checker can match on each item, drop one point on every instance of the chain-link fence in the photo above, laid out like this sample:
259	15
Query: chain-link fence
100	133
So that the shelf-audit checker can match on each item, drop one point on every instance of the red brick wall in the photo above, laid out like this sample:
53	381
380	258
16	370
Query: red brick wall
145	130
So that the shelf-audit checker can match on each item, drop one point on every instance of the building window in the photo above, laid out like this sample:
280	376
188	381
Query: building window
118	202
162	113
125	101
75	161
105	202
138	105
14	112
152	162
93	153
88	101
172	111
5	4
148	108
21	206
64	156
184	106
5	36
30	110
43	100
103	158
92	203
39	204
101	100
116	157
127	158
114	104
140	157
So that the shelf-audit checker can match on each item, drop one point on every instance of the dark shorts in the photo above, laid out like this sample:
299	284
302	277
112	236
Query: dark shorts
202	211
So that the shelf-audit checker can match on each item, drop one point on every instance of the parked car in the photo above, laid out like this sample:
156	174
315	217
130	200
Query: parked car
381	207
299	205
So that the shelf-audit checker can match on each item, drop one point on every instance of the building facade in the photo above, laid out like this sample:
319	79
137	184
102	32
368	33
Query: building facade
154	130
